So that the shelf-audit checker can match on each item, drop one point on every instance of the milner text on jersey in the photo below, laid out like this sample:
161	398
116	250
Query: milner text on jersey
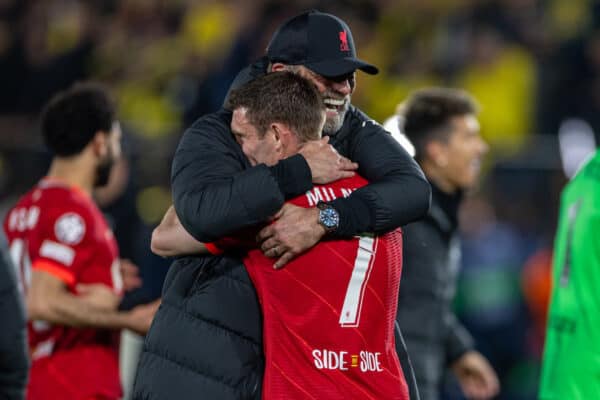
317	194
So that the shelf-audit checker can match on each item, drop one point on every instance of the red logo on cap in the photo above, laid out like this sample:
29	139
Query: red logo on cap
344	41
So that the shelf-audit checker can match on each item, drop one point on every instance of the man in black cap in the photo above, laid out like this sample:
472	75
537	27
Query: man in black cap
217	192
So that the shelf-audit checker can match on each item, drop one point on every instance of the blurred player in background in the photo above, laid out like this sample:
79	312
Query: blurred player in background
571	363
67	257
329	315
442	126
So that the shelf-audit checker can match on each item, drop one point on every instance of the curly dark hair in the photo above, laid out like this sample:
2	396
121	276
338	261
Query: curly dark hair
282	97
72	118
427	113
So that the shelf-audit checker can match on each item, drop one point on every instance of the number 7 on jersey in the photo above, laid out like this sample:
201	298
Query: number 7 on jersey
363	264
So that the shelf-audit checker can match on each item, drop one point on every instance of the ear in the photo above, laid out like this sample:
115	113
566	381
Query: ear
100	144
278	131
282	134
436	152
277	67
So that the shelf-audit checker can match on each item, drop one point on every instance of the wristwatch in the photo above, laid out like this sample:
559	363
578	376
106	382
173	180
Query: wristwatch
329	218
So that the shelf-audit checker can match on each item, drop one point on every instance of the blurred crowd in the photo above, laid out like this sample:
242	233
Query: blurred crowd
532	65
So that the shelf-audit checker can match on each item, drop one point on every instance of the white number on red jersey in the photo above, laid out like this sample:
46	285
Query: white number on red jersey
363	264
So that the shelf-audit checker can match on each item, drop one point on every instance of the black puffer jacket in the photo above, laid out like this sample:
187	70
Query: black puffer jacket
431	252
206	339
14	360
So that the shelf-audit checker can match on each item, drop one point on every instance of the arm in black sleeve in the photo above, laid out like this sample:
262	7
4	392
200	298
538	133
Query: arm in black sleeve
14	360
215	191
458	340
398	192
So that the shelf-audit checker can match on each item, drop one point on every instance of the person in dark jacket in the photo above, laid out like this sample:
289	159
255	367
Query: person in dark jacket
217	192
14	359
442	126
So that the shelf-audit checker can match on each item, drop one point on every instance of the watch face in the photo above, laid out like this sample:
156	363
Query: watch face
329	218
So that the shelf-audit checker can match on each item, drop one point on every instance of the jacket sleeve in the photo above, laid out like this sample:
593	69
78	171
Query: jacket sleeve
458	340
398	192
14	360
214	191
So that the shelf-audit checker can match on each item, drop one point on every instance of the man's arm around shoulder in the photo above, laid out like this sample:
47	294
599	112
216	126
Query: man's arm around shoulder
398	192
216	192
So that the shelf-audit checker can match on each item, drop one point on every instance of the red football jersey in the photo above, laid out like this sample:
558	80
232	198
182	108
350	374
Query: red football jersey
60	230
329	314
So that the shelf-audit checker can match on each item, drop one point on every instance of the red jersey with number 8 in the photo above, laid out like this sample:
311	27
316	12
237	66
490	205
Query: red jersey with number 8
58	229
329	314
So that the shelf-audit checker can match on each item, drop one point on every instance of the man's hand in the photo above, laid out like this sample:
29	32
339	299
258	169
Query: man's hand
325	163
140	317
130	274
295	230
99	296
476	376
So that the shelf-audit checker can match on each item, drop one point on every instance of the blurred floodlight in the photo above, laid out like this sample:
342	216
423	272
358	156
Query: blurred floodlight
392	125
576	141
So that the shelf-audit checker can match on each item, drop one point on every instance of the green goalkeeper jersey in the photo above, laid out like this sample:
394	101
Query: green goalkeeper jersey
571	364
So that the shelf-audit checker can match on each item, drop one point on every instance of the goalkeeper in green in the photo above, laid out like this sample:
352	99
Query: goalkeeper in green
571	364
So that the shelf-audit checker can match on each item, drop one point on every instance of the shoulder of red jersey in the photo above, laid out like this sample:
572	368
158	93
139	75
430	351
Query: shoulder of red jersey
51	222
59	227
355	181
61	212
330	191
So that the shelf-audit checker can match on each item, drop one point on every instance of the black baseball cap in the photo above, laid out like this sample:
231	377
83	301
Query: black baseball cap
321	42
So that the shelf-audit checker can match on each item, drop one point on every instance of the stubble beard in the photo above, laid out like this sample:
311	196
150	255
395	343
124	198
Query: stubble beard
334	123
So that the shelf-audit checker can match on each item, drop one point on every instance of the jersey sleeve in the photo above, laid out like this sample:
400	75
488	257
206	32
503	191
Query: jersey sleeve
61	244
243	240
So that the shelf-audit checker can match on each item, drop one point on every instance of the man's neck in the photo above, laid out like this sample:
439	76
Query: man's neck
74	171
436	176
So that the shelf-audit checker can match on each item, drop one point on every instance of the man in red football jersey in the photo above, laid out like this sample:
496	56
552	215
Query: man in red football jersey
328	317
67	256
